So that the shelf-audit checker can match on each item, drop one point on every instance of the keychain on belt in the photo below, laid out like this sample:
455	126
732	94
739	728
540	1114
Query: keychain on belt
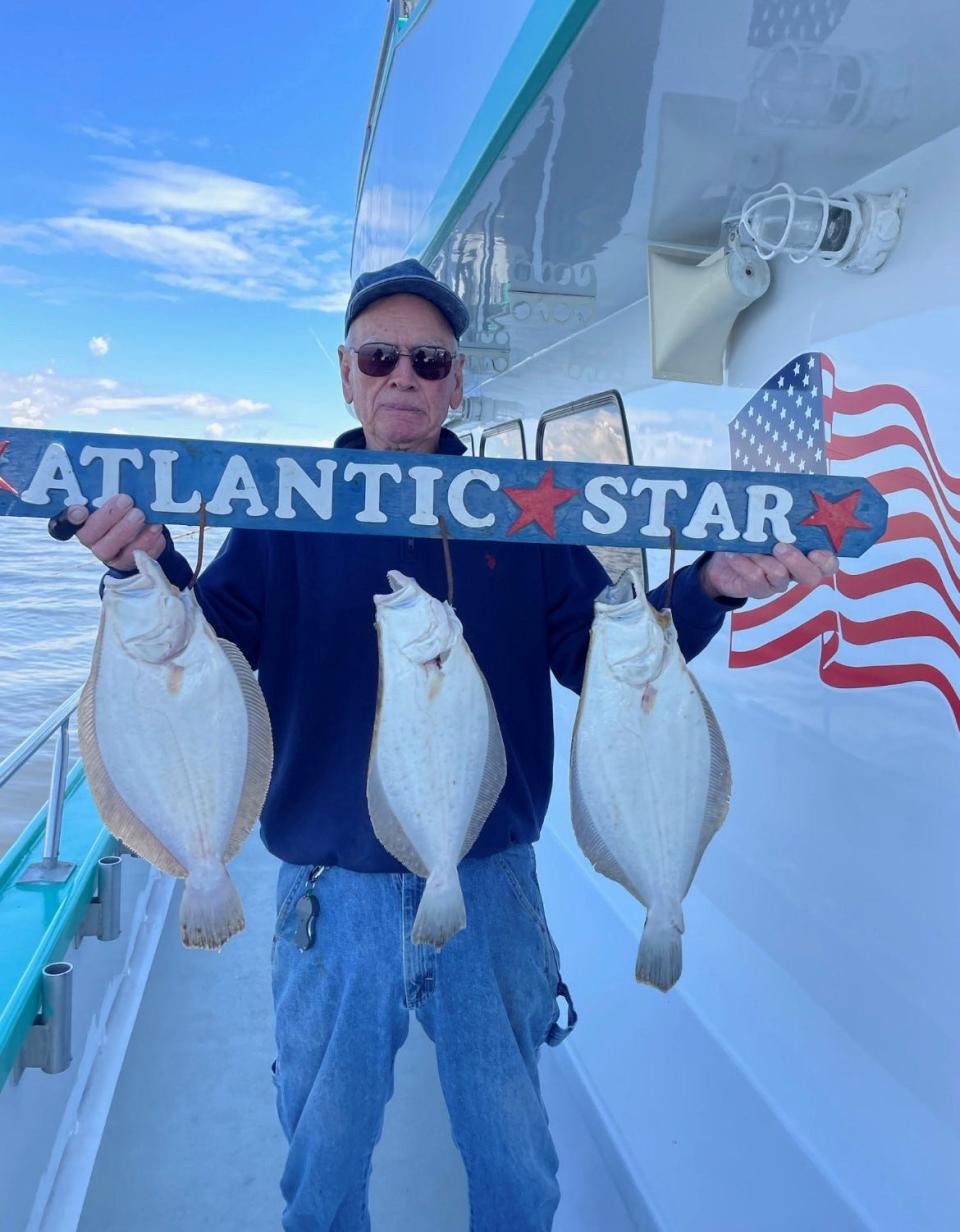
307	909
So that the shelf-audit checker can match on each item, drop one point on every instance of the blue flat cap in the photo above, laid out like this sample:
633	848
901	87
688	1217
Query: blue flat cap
407	278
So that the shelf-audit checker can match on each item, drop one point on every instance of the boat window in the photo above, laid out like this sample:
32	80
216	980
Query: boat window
504	441
467	438
591	429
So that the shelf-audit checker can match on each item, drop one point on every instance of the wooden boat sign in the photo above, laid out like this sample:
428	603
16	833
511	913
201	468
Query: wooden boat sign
280	487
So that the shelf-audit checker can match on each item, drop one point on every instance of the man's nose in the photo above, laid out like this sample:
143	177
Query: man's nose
403	373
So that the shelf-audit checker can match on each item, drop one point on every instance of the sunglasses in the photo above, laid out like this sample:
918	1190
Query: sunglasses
431	363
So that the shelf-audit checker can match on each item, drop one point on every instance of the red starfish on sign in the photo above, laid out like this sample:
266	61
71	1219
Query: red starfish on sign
836	517
4	486
539	504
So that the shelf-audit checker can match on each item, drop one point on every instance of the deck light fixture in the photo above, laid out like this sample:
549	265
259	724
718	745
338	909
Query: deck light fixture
855	231
806	85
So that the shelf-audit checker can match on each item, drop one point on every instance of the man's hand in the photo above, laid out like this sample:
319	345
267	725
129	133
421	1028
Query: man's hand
115	531
748	575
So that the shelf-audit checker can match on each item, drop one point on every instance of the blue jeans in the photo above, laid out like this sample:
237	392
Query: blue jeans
488	1000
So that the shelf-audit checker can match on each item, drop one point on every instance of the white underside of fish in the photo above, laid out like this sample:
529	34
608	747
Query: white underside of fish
437	766
178	756
650	785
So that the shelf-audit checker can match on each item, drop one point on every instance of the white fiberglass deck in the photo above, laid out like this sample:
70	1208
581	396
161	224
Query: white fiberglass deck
192	1141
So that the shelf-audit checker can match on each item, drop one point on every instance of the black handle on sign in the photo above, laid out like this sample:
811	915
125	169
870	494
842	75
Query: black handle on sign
60	526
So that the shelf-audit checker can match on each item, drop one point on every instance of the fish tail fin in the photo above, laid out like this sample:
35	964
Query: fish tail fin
442	911
210	910
660	957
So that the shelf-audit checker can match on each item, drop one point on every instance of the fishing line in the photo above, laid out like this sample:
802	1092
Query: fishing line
673	561
202	523
447	562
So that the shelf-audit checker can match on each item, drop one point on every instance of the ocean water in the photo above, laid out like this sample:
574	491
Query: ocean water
49	612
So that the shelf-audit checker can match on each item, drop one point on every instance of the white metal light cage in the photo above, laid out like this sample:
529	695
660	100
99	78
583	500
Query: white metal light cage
802	225
853	231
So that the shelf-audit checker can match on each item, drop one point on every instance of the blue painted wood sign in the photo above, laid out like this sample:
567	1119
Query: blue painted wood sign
279	487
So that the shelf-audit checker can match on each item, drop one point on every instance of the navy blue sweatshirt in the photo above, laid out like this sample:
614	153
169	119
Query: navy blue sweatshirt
300	607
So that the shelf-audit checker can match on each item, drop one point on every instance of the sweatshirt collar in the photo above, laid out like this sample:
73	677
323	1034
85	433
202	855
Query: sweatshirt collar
353	438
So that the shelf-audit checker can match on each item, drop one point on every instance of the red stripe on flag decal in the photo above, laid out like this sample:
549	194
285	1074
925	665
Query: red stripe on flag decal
752	618
865	618
919	526
848	402
889	628
906	479
809	631
913	572
843	676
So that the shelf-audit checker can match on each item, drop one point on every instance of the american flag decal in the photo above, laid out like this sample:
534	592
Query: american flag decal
891	616
794	21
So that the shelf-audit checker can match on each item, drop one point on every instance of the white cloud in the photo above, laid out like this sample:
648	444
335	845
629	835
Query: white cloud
99	346
115	134
37	400
155	244
215	429
201	230
334	299
167	189
11	276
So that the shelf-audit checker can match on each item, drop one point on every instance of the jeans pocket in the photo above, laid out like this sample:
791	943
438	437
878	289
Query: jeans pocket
519	868
293	877
518	865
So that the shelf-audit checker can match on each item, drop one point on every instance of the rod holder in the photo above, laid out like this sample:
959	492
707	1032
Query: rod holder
103	915
47	1045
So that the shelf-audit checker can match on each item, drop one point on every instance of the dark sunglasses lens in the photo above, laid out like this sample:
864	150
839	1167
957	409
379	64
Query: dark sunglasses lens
376	359
431	363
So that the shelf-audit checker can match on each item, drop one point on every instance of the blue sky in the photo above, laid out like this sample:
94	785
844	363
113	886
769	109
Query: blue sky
176	211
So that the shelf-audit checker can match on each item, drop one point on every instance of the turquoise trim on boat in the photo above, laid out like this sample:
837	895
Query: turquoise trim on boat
38	922
406	24
539	47
542	43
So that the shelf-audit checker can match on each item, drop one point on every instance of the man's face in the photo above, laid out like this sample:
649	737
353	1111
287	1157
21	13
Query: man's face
401	410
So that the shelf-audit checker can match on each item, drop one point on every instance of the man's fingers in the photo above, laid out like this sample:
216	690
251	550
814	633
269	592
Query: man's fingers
102	521
825	561
116	541
751	580
150	540
801	570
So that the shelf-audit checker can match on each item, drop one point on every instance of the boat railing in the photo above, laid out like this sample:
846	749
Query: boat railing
50	868
47	902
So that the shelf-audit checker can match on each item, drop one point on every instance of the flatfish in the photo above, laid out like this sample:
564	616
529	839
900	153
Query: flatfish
437	762
176	743
649	772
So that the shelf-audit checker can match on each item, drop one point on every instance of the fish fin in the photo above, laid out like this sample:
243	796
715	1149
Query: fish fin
210	909
256	780
441	913
114	811
386	824
494	772
719	783
591	841
660	956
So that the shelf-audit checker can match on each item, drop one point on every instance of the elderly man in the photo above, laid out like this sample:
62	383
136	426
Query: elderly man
345	974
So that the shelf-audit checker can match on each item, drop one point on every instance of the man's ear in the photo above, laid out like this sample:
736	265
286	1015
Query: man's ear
345	374
456	396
